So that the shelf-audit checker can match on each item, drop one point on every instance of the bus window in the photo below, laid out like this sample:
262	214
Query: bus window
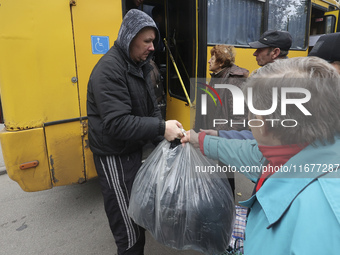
290	16
235	22
330	24
323	25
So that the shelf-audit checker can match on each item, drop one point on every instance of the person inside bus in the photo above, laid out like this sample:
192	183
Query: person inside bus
328	48
272	45
122	116
295	206
133	4
158	16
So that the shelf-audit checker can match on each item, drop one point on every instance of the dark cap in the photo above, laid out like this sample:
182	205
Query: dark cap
273	38
327	47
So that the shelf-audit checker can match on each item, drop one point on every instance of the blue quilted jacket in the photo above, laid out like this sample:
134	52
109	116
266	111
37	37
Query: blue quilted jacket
297	210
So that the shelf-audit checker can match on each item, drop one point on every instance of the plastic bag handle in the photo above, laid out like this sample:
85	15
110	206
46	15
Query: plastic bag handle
175	143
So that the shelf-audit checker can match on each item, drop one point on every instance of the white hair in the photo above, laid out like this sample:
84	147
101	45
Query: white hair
311	73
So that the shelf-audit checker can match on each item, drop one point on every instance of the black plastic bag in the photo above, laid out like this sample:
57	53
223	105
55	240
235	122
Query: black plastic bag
183	205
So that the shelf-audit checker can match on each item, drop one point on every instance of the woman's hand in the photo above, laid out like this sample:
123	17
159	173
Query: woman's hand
192	137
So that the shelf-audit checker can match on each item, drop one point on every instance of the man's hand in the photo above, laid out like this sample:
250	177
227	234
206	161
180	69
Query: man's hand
192	137
210	132
173	130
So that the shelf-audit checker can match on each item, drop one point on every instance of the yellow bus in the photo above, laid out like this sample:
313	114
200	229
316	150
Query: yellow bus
48	50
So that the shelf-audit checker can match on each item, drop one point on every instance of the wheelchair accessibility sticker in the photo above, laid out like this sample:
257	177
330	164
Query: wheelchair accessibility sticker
100	44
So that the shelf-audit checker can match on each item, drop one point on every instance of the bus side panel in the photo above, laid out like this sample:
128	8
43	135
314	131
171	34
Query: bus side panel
64	146
180	110
295	53
100	18
89	163
37	63
38	85
26	146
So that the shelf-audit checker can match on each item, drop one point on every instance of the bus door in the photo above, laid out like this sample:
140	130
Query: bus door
95	28
182	59
177	53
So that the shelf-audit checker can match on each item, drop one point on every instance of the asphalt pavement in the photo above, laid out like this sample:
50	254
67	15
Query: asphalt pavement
64	220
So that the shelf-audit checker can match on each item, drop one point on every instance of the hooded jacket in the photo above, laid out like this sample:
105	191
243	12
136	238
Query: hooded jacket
121	105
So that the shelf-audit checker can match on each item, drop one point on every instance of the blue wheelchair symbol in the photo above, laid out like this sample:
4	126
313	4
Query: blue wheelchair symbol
100	44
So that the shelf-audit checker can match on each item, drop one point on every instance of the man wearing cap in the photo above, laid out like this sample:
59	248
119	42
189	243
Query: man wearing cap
327	48
273	44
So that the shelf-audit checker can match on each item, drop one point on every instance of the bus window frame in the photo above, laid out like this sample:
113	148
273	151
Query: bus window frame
123	7
200	57
307	27
333	23
190	89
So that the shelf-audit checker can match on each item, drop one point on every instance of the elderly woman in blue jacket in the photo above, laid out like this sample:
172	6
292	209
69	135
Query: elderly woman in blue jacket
294	159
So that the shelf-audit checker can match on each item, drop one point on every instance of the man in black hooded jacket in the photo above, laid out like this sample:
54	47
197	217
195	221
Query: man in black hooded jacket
123	115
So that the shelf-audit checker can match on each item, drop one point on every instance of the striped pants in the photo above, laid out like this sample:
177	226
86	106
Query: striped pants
116	175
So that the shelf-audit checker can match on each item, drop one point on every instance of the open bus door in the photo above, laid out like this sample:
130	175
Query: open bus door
182	44
94	33
184	56
182	40
324	20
